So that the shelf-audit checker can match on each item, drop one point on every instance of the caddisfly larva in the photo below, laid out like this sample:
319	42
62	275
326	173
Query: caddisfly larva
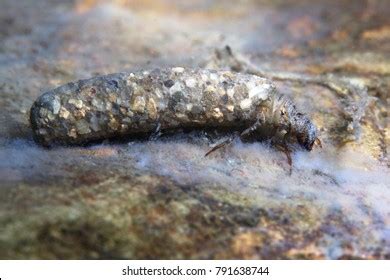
123	104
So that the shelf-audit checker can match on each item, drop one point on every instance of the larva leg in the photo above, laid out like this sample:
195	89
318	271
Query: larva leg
244	135
284	148
247	132
318	142
287	152
156	133
222	144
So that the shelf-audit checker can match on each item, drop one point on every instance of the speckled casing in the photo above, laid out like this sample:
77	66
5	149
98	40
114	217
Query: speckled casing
122	104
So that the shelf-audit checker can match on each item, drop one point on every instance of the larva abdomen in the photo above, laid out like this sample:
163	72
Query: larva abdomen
127	103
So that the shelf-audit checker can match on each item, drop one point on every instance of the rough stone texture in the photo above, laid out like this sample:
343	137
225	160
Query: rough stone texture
163	199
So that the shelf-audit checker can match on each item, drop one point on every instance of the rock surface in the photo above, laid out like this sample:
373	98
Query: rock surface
162	198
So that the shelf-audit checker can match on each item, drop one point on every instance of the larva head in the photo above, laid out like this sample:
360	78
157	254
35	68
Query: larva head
306	132
303	128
